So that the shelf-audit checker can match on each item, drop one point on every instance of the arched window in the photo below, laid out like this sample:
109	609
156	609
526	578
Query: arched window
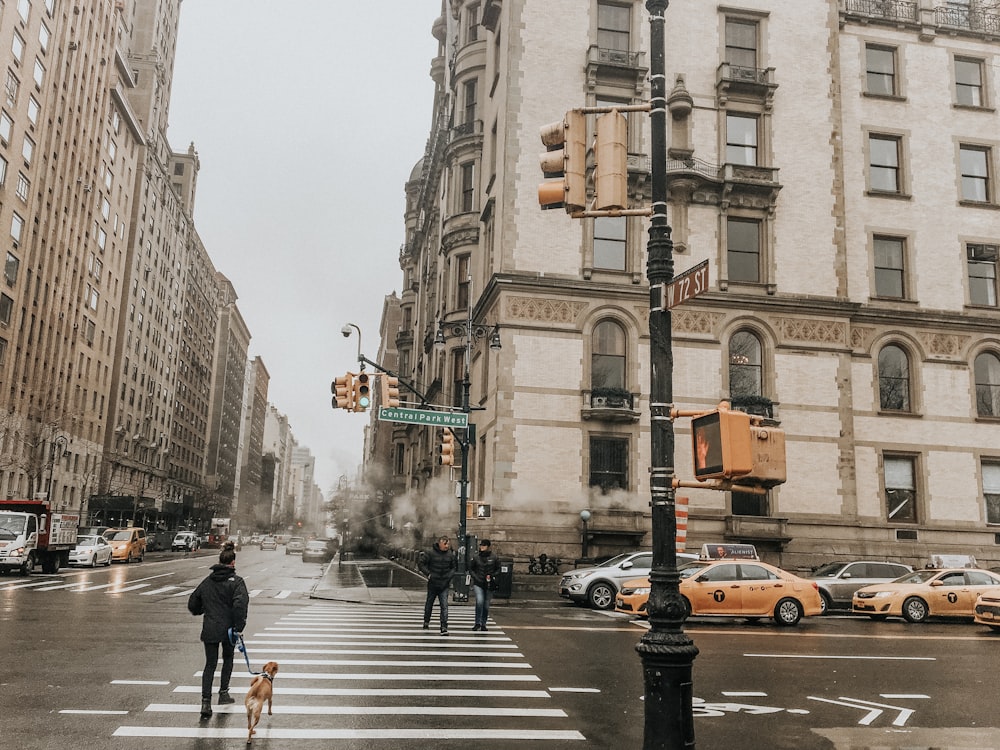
745	371
607	365
988	385
894	379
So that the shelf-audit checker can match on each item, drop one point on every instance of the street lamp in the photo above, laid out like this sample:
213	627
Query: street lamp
471	333
346	330
585	516
61	442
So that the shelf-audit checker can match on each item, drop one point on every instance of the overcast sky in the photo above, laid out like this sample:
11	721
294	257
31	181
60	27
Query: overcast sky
308	116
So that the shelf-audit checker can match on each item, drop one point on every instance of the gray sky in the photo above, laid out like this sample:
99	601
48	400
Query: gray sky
308	116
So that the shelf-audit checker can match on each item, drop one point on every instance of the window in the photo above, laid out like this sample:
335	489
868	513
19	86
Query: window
11	86
969	82
43	36
38	75
991	490
889	256
609	463
23	6
16	227
17	47
457	377
741	140
470	102
3	170
880	65
468	188
982	263
746	504
900	488
974	165
883	155
462	283
987	370
6	309
609	242
741	43
472	24
3	351
33	110
6	124
894	379
607	360
23	185
613	27
743	249
745	368
11	268
27	149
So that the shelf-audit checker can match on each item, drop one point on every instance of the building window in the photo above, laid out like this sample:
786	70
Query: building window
969	82
746	504
11	86
880	65
743	249
462	283
10	269
974	165
470	102
3	170
468	188
472	24
889	277
457	377
745	365
23	185
6	309
6	124
609	463
893	379
982	262
23	7
38	75
607	360
17	47
741	140
33	108
43	36
900	488
16	228
613	27
883	155
741	43
987	370
609	242
27	150
991	490
3	351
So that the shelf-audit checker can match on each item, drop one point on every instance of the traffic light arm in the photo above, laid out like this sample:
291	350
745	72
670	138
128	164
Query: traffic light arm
720	484
402	381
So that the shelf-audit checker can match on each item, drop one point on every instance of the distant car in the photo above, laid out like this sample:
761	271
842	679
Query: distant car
268	542
127	544
838	581
987	609
186	541
947	592
295	545
92	550
598	586
316	551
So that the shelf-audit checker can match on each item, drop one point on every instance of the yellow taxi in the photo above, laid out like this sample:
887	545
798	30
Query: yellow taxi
936	592
735	588
987	609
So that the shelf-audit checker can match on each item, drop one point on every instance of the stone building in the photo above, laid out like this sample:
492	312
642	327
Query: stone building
834	161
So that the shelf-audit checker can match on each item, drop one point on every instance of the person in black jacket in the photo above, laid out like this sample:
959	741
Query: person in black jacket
439	565
483	568
223	599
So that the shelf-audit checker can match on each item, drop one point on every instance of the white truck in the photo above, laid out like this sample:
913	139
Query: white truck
31	534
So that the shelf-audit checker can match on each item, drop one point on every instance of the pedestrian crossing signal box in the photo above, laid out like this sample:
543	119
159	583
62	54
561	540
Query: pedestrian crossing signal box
478	510
738	447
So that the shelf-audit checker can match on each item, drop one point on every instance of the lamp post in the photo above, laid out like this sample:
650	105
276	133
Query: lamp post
667	654
471	333
346	330
585	546
61	442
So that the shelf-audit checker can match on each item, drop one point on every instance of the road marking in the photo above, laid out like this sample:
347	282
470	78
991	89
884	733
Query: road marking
747	694
391	692
402	677
134	587
897	696
140	682
861	658
95	713
193	708
255	593
283	594
163	590
435	735
573	690
436	663
439	642
408	652
874	712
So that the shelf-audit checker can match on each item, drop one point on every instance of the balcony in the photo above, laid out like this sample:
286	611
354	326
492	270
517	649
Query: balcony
743	185
609	405
967	19
894	11
616	66
746	84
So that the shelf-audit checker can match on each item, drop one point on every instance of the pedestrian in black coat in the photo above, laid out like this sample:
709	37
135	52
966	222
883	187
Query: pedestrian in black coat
483	569
223	599
439	565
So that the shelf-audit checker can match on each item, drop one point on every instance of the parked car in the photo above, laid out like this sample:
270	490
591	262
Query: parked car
598	586
186	541
987	609
295	545
633	597
92	550
838	581
316	550
947	592
127	544
268	542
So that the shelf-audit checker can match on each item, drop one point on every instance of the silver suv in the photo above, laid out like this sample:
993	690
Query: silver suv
598	586
838	581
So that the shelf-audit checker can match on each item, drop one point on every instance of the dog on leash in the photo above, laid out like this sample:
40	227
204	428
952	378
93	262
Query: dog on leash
259	692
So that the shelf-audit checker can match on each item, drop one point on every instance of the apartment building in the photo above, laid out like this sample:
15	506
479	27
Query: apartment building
834	161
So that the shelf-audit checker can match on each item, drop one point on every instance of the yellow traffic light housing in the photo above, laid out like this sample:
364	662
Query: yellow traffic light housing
565	159
611	162
738	447
343	392
447	447
362	392
390	391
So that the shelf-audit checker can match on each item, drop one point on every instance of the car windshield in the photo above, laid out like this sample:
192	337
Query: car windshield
614	560
296	540
919	576
12	527
86	541
317	545
121	536
830	569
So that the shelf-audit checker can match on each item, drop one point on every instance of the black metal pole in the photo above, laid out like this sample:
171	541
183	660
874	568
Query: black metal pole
667	654
462	590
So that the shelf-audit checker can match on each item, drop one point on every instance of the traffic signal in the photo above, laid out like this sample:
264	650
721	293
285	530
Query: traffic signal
611	162
362	392
447	447
738	447
390	390
565	159
343	392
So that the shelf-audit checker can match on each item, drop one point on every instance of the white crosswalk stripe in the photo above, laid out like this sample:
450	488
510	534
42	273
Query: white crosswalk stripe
83	586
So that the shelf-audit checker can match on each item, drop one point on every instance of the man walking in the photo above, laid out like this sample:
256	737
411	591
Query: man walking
438	564
223	599
483	569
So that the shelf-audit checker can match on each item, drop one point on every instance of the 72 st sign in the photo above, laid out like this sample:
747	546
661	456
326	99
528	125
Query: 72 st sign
689	284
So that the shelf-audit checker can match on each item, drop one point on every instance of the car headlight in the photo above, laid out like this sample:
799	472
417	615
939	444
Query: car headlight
882	594
642	590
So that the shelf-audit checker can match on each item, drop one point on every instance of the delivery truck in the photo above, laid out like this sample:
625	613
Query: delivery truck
31	534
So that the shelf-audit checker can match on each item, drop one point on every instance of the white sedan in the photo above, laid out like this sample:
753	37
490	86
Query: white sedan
92	550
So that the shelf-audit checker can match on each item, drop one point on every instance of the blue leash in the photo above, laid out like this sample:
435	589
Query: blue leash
236	638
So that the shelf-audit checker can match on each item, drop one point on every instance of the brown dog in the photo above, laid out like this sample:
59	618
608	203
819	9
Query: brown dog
260	690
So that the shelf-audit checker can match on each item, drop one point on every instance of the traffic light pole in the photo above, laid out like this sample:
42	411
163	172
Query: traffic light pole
666	652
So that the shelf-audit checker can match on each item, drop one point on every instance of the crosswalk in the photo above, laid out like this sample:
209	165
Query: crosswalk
365	672
150	586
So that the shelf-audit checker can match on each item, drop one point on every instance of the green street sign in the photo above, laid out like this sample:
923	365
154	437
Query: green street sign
423	416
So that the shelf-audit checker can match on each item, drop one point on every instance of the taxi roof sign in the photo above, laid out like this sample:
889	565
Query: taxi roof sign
728	552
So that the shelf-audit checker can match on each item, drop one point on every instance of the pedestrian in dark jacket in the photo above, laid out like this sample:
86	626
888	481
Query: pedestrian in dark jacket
439	565
223	599
483	568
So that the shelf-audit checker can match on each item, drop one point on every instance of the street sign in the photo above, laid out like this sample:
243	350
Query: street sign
423	416
683	287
